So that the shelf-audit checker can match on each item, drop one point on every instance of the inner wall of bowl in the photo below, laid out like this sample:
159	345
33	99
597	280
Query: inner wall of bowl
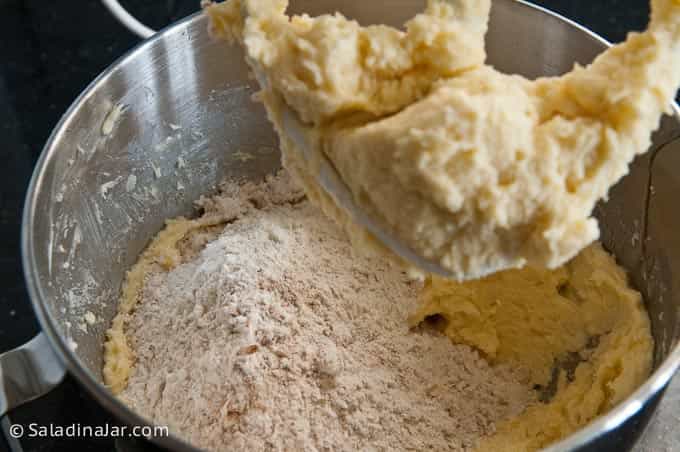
165	127
176	117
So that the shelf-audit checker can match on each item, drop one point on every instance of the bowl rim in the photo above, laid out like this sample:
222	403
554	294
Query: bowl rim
594	429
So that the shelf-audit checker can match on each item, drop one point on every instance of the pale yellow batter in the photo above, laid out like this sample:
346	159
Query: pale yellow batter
478	170
581	316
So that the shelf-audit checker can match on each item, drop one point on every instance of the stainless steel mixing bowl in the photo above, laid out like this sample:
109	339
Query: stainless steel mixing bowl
169	120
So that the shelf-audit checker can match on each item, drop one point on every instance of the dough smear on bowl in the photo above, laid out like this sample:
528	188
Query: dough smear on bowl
477	170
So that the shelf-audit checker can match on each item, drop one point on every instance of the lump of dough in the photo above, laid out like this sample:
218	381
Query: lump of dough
582	315
329	67
471	168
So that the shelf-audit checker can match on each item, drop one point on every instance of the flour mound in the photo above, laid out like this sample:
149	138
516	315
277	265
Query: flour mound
273	335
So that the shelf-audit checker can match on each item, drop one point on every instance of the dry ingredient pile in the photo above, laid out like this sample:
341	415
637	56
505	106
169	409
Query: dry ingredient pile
269	333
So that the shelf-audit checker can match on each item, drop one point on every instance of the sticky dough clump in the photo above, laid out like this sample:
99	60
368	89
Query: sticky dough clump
477	170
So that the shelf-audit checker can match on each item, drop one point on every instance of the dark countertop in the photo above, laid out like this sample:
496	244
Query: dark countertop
49	52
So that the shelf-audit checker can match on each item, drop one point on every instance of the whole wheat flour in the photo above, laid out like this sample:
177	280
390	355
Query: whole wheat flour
270	334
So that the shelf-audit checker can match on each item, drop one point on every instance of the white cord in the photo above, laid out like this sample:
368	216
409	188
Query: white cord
128	20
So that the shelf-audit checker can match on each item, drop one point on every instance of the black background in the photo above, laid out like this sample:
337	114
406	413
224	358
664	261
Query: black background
49	51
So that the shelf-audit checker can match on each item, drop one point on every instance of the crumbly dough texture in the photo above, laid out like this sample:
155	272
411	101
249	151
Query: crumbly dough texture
477	170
